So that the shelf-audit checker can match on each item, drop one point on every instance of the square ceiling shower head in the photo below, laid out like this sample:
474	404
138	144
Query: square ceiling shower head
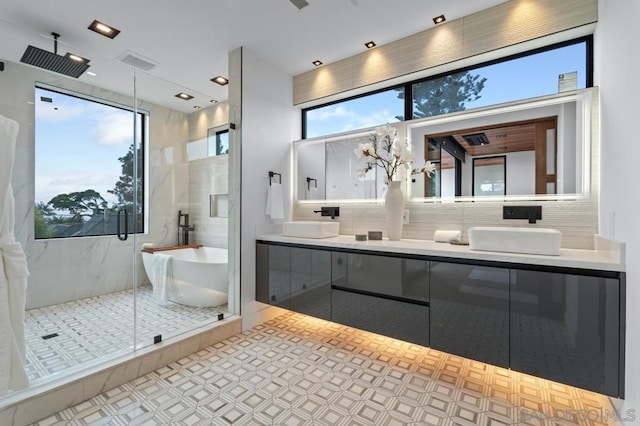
53	62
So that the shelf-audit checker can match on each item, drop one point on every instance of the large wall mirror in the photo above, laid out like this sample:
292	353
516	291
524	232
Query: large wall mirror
534	149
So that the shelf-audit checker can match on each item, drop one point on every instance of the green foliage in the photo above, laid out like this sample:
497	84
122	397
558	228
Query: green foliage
42	228
124	187
79	204
445	95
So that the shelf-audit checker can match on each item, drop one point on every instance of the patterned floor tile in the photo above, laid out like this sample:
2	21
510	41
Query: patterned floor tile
87	330
297	370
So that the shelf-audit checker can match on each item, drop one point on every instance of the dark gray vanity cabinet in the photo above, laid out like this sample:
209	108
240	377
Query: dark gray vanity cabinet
311	282
273	278
381	294
566	328
557	323
470	311
294	278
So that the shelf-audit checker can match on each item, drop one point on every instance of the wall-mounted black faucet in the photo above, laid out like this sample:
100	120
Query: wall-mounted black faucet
185	227
329	211
532	213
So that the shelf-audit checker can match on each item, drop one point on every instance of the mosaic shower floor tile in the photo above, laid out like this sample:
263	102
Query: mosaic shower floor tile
63	336
298	370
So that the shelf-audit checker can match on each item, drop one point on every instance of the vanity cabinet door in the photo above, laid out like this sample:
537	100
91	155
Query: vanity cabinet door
384	295
566	328
273	275
311	282
401	320
389	276
470	311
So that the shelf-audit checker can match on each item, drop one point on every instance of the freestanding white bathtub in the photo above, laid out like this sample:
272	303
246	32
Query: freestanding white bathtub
199	275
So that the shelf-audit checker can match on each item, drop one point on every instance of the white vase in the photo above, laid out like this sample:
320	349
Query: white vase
394	206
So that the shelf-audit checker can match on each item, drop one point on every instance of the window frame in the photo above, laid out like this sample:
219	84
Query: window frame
141	119
408	86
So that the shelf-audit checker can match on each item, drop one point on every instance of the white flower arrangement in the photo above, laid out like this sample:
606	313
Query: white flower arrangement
386	151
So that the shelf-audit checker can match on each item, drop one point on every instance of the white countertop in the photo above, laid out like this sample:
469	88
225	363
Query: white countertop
604	260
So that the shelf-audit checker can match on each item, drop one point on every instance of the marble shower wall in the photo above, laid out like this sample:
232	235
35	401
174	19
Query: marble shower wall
75	268
209	182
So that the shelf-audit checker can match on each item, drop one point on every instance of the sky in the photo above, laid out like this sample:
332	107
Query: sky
523	78
78	143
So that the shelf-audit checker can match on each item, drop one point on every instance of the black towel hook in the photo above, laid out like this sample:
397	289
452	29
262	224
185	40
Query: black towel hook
272	174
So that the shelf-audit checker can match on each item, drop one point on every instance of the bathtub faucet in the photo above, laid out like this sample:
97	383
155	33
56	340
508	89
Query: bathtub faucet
185	227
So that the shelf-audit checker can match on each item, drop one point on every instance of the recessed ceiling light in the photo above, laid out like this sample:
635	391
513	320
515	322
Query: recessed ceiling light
92	74
213	101
439	19
184	96
370	44
76	58
317	63
197	107
220	80
104	29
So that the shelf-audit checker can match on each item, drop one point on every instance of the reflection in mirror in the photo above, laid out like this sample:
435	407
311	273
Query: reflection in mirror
540	143
545	143
327	169
489	176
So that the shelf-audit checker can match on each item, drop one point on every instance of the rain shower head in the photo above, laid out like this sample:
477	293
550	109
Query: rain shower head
53	62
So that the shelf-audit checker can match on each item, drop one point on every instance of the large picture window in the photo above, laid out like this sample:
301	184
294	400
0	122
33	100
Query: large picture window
84	165
526	75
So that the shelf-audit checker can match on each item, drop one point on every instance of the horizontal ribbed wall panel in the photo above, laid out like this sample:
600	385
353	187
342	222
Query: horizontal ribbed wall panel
503	25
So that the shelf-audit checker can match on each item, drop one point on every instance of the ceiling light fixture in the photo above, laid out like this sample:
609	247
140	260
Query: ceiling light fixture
213	101
439	19
184	96
197	107
317	63
92	74
370	44
220	80
103	29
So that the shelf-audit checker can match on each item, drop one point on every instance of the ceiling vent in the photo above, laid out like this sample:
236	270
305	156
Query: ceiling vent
137	61
53	62
476	139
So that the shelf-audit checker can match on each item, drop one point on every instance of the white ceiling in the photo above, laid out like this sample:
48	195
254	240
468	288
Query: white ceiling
190	40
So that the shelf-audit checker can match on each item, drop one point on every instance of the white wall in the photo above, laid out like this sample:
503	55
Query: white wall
75	268
269	124
617	63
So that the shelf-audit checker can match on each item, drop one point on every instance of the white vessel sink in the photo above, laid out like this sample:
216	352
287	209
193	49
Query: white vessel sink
515	240
310	229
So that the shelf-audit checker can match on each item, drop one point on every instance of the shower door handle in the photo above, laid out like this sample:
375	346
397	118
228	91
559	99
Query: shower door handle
122	236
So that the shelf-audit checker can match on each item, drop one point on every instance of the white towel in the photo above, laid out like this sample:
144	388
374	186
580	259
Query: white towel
441	236
162	277
312	193
13	272
275	200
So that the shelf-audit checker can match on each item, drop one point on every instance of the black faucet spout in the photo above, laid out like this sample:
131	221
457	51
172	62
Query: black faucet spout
329	211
